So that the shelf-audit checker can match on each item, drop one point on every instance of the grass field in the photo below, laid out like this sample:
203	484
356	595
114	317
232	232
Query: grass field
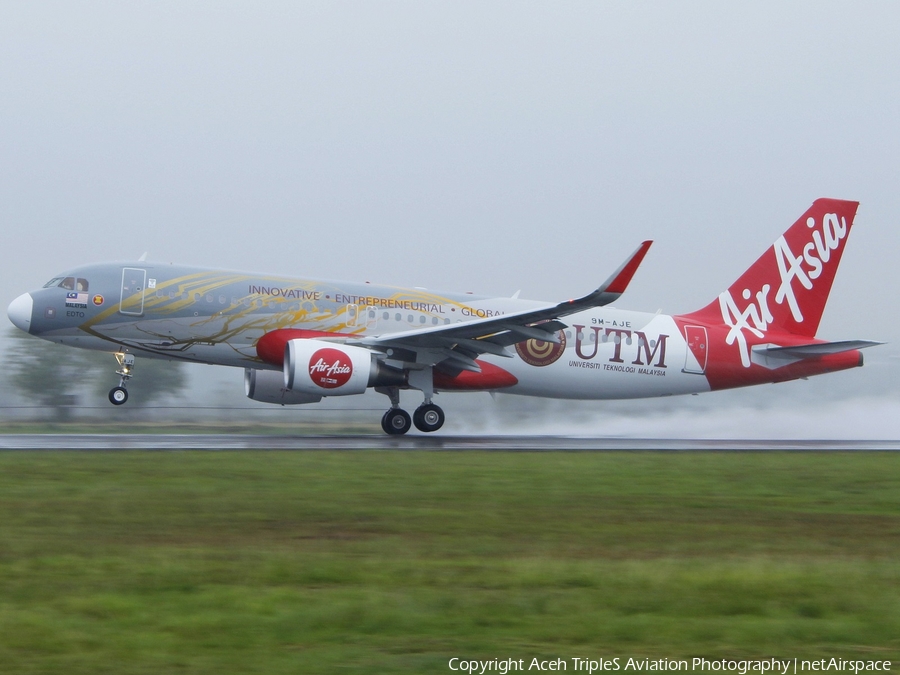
394	562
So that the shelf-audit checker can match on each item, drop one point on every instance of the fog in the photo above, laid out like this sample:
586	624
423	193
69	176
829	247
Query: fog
474	147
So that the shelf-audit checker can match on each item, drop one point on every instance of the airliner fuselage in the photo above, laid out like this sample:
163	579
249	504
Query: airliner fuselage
302	339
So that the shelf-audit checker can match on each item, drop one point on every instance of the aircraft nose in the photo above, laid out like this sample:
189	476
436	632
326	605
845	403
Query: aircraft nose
19	312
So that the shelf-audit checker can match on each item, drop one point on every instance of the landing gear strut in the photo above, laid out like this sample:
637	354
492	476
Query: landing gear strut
118	395
428	416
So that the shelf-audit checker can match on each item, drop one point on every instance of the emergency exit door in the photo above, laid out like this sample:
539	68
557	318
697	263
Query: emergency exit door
697	349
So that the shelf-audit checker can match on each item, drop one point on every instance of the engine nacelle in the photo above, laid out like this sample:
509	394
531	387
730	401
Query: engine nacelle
326	369
267	386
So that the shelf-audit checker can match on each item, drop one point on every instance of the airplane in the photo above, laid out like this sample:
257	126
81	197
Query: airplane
301	340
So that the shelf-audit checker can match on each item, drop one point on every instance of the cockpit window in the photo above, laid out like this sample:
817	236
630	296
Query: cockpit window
70	284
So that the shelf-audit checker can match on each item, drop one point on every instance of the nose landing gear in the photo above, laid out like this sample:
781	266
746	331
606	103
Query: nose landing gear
118	395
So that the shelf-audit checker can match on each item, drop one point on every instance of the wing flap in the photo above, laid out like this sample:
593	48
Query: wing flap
538	332
486	346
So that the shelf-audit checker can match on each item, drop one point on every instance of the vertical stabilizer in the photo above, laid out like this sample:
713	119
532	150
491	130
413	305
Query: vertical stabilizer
785	290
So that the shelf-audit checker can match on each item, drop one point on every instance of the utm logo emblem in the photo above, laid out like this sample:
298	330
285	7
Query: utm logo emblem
541	353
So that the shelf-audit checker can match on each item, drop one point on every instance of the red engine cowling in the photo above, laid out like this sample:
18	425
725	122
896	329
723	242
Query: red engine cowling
326	369
267	386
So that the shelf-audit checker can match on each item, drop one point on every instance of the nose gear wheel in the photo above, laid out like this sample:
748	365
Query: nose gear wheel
118	395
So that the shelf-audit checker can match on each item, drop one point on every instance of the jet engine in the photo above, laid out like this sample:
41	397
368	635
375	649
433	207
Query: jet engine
324	368
267	386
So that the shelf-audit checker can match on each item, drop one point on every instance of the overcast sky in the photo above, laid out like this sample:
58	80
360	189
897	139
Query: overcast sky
474	146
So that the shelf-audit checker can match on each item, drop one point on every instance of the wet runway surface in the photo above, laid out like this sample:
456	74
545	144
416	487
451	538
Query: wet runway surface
412	442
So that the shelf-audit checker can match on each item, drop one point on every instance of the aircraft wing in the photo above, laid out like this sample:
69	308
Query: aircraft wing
456	346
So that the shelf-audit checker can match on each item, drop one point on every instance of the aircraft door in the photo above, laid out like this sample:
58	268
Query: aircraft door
371	316
352	314
134	282
697	347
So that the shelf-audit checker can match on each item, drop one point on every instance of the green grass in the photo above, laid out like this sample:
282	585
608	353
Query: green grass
389	562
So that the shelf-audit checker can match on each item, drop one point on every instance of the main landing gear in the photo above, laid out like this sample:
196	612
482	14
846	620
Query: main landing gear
428	417
118	395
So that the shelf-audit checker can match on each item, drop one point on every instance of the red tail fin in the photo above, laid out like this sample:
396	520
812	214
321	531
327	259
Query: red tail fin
787	287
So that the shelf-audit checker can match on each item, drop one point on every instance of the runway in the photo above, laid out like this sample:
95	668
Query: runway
213	442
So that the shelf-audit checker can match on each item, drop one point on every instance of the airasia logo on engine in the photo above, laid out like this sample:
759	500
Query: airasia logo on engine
330	368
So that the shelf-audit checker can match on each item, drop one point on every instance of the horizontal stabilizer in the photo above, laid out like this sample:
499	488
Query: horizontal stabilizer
816	349
775	356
